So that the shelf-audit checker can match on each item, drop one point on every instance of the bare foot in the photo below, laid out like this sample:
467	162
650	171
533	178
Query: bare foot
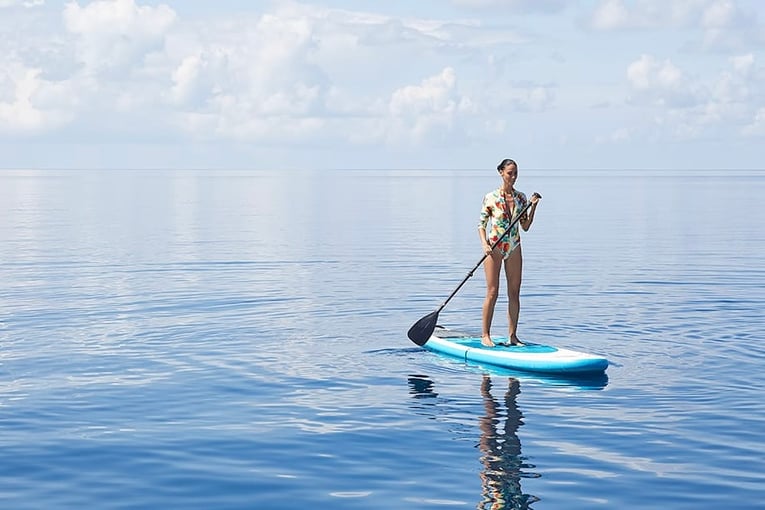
516	342
486	341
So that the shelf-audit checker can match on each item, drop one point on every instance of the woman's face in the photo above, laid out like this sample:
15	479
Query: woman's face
509	174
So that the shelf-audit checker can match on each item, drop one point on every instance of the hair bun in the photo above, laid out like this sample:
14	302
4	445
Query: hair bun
504	163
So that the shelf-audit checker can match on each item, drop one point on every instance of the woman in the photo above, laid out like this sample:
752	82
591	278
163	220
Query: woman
501	206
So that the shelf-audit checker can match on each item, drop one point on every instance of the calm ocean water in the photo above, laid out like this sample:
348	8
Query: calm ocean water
219	339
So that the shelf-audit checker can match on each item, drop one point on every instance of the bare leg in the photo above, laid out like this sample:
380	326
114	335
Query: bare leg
491	267
513	272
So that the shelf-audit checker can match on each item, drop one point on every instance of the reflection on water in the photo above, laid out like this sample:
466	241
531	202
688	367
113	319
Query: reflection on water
498	442
501	449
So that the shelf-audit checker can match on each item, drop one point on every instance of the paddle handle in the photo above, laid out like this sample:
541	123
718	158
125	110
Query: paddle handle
507	231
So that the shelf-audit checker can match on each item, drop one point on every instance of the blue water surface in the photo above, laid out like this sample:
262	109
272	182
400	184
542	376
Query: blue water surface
230	340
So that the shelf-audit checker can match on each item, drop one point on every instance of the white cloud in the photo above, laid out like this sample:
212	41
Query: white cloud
433	95
757	126
721	23
417	112
515	5
30	104
659	83
690	108
299	72
734	84
258	82
191	80
115	35
21	3
726	25
610	15
19	113
329	74
646	74
719	14
111	19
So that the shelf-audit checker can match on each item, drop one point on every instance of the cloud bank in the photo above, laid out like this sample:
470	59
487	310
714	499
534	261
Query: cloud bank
467	78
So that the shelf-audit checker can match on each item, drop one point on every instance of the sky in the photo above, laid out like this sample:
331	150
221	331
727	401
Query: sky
401	84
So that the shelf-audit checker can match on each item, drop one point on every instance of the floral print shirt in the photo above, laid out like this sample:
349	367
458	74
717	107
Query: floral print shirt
502	213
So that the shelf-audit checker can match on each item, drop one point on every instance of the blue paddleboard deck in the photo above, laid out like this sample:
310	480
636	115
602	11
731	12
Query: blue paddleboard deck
530	357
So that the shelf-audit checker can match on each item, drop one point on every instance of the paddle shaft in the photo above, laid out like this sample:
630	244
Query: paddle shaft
507	231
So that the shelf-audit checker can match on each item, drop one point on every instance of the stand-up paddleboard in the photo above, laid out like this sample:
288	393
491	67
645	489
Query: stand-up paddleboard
529	357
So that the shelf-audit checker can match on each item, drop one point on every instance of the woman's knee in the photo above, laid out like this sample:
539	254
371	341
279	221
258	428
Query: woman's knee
514	289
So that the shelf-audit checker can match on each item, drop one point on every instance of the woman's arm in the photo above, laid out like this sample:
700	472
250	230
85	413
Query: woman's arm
528	218
484	242
483	221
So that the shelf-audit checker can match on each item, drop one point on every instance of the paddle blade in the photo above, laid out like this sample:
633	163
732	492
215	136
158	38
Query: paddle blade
420	332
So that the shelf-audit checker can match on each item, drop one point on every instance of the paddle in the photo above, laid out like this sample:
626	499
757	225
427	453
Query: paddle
421	330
